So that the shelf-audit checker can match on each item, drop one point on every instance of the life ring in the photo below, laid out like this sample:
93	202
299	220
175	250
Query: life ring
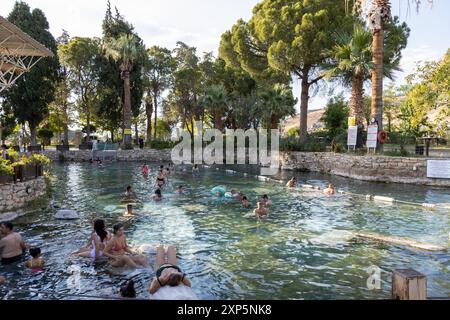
382	136
218	190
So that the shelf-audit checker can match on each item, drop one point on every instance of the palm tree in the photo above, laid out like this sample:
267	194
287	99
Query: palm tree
277	103
353	64
125	50
149	112
215	100
379	13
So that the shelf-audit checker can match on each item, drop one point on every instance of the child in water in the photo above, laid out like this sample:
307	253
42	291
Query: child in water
36	263
127	290
245	202
157	196
129	211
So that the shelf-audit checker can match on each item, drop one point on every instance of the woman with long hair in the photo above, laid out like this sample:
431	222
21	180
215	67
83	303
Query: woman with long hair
97	242
119	252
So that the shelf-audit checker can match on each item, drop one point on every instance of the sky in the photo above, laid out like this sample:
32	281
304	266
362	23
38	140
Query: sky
200	23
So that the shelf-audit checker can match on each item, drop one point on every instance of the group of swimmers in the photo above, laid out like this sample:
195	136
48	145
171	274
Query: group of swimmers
292	183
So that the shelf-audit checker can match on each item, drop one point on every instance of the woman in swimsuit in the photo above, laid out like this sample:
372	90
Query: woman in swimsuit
97	242
121	256
145	169
160	179
167	273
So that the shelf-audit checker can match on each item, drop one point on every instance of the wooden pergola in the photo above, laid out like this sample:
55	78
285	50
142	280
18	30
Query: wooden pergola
18	53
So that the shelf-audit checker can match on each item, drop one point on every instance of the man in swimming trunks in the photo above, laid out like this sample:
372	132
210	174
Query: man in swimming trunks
129	194
167	273
12	245
260	211
330	190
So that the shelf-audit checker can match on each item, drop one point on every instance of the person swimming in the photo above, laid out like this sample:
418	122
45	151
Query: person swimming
260	210
36	263
266	201
127	290
157	196
330	190
245	202
97	241
160	179
292	183
195	169
145	169
129	211
129	194
180	189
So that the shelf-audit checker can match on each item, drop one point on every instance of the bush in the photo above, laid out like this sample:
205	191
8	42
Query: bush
5	167
37	158
159	145
310	145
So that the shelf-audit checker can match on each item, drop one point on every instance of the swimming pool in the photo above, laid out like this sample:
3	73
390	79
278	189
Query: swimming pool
299	252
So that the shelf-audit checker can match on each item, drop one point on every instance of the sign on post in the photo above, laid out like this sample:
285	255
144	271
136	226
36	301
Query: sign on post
352	136
372	137
438	169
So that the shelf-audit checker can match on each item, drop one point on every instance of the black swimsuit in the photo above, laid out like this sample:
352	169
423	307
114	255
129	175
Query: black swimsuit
164	267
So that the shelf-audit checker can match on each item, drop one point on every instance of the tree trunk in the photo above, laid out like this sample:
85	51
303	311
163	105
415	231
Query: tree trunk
155	106
377	80
127	111
66	125
149	111
112	136
273	121
304	107
88	125
32	133
218	124
136	132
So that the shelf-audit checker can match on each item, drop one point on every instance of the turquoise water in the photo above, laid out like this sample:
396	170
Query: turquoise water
299	252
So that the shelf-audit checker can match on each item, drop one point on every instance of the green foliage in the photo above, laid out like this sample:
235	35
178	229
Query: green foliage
336	116
291	143
160	145
5	167
45	134
40	159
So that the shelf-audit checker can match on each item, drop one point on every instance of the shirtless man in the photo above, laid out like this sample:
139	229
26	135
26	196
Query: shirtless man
292	183
245	202
266	201
260	211
129	194
12	246
330	190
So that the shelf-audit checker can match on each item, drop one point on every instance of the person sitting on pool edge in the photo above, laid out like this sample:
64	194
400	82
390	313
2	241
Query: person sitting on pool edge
292	183
260	210
167	273
12	245
36	263
157	196
245	202
120	254
266	201
330	190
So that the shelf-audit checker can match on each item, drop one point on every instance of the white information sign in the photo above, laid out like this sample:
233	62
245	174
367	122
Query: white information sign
372	137
438	169
352	135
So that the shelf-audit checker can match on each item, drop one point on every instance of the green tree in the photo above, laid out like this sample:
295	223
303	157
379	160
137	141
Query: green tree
335	116
292	37
30	96
159	69
277	102
80	56
215	100
126	49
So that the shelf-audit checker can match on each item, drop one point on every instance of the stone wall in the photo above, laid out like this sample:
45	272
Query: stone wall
17	195
122	155
368	168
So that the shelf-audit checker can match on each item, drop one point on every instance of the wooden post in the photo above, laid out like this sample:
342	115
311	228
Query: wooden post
408	284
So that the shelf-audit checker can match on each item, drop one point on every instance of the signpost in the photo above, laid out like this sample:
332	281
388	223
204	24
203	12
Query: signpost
352	137
372	137
438	169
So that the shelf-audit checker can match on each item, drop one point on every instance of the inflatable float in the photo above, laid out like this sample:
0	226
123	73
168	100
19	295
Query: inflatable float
218	191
